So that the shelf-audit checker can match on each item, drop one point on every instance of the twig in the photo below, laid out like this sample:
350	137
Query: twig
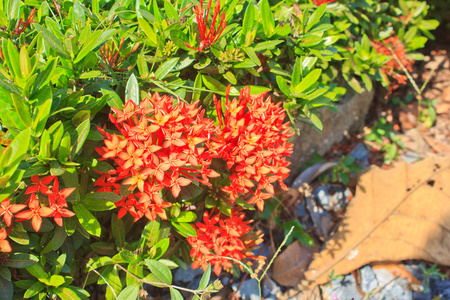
95	271
379	289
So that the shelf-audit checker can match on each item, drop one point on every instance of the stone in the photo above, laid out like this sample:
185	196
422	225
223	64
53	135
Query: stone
349	118
369	280
342	289
187	275
249	289
361	155
323	197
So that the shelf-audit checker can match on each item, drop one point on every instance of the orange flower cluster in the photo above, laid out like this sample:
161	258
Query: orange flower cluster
211	35
160	147
254	143
222	237
392	67
43	202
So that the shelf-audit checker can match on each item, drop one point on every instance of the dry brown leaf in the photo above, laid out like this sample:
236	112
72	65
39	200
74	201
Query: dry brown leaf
397	214
289	267
397	270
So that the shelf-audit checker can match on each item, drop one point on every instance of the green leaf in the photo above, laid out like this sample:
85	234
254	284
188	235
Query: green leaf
214	85
104	248
95	40
129	256
165	68
148	31
282	85
64	149
249	19
25	66
15	151
46	74
132	90
315	17
159	270
6	289
59	237
82	132
12	58
105	196
118	230
113	99
175	294
129	293
87	220
307	81
204	282
70	292
161	248
22	109
296	73
198	85
170	11
37	271
52	40
5	273
185	229
43	113
186	217
268	20
21	260
252	55
179	38
313	118
150	233
55	280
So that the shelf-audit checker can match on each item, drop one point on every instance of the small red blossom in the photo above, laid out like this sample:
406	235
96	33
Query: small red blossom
220	237
320	2
211	35
34	213
4	244
392	69
253	139
8	210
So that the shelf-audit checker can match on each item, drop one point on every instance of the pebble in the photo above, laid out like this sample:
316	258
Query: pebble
188	275
361	155
249	289
335	202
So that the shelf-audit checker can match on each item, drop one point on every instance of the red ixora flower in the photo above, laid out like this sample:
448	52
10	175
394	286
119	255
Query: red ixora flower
320	2
161	145
392	69
254	143
222	237
211	35
55	198
4	244
21	26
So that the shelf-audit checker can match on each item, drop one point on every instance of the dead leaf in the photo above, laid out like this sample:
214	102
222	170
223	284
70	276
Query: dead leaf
289	267
397	214
397	270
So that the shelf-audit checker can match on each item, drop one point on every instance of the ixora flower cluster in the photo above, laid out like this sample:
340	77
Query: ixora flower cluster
163	145
393	68
43	202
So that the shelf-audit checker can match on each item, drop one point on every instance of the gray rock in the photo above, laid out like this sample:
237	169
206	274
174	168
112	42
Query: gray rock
249	289
323	197
349	118
342	289
187	275
270	289
395	289
361	155
340	197
369	280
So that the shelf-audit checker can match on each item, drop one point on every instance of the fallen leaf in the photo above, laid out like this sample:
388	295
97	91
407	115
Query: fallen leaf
289	267
397	214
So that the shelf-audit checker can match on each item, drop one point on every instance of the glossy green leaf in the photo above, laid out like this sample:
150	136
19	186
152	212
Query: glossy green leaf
249	19
118	230
151	233
25	66
52	40
159	270
307	81
185	229
165	68
104	248
5	273
22	108
282	85
268	20
170	11
6	289
148	31
21	260
161	248
132	90
175	294
204	281
71	292
129	293
186	217
87	220
315	17
82	132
